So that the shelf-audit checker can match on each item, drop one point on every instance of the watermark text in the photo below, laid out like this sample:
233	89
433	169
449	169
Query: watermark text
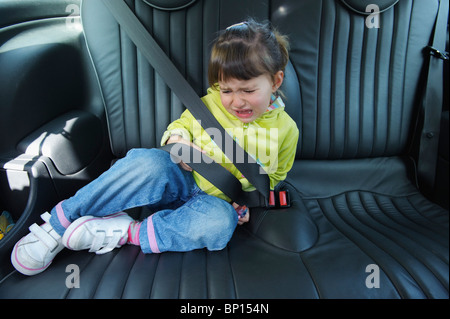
373	20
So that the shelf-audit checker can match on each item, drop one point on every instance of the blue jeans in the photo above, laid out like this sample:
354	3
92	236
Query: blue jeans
185	218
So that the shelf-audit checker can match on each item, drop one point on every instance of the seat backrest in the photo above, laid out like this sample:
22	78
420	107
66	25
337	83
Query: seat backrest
139	105
354	89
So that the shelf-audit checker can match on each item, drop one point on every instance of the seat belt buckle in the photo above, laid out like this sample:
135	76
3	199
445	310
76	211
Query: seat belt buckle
272	203
284	199
279	199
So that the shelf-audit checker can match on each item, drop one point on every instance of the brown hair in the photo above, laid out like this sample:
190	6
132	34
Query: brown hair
247	50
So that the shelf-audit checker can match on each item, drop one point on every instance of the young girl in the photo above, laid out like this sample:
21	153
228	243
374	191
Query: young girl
245	72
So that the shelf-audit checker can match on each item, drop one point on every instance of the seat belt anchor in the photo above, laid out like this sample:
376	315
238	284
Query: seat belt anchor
438	54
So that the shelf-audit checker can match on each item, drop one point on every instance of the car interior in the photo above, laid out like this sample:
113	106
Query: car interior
366	83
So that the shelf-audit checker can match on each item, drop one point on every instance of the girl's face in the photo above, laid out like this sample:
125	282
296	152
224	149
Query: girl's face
249	99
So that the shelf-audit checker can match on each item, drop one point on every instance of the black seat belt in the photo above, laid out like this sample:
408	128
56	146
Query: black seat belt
214	172
432	102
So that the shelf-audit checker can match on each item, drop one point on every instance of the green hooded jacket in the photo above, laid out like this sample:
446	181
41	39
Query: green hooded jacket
271	140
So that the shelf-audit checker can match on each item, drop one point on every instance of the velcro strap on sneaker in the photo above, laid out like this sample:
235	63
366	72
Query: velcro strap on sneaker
113	242
46	217
97	243
44	237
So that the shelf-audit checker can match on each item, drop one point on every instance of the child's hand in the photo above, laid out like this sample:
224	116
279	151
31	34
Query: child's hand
246	217
179	139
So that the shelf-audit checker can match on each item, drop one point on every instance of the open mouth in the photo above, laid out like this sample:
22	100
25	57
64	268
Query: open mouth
244	113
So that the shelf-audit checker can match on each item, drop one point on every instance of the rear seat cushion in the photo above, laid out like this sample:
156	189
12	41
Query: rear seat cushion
318	248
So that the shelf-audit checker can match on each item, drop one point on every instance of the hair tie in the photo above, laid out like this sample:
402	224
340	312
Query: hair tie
237	25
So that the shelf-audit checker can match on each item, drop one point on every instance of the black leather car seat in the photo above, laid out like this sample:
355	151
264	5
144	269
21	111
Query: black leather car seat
358	226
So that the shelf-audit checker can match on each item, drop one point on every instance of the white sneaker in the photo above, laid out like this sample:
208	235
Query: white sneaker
98	234
35	252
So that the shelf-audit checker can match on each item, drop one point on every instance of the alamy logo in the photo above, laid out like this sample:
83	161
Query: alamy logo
373	279
373	20
73	279
74	11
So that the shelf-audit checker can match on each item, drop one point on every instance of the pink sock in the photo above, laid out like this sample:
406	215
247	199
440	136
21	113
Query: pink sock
133	233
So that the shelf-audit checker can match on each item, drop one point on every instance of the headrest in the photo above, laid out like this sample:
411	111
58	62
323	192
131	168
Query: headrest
366	6
169	5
